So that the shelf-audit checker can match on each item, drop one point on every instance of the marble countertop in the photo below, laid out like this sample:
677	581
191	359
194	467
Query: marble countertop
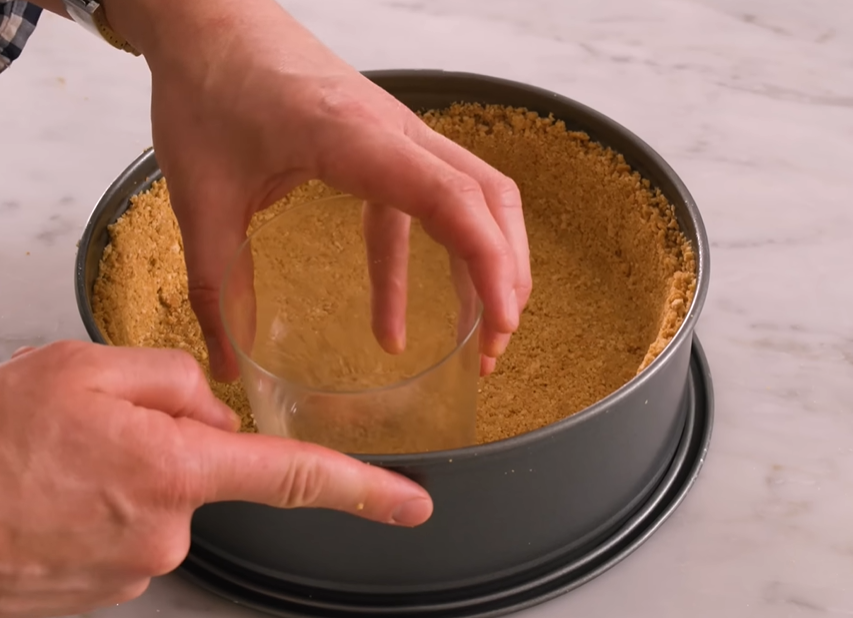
751	101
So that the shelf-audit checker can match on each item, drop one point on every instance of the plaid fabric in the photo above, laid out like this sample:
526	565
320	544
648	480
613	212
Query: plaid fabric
17	21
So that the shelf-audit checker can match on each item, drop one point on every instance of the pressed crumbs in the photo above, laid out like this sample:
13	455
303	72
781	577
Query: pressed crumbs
613	275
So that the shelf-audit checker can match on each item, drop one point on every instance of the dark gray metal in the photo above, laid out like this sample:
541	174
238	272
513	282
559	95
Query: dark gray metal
506	510
246	588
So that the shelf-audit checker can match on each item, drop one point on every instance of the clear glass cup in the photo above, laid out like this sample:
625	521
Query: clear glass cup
298	307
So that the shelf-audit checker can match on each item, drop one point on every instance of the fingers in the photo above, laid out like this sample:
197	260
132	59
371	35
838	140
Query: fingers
169	381
502	197
386	236
291	474
236	315
449	203
213	226
466	295
504	203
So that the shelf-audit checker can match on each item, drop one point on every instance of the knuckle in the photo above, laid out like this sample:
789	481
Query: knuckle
338	105
175	473
175	490
204	300
187	368
73	360
70	349
302	484
503	255
461	186
202	294
523	291
507	191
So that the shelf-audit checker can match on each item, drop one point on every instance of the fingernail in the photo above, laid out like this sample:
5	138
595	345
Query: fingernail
500	344
511	309
496	344
412	513
236	421
397	344
21	351
400	341
487	365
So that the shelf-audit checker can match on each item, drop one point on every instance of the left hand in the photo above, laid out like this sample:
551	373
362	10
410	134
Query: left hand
247	105
106	453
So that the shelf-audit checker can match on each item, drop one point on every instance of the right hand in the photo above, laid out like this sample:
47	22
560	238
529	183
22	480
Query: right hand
106	452
247	104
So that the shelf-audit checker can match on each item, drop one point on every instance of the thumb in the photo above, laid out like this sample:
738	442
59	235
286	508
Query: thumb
213	228
291	474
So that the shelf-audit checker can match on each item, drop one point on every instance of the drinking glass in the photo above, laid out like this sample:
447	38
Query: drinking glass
318	354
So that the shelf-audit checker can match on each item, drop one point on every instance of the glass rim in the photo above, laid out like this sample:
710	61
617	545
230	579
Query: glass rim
238	350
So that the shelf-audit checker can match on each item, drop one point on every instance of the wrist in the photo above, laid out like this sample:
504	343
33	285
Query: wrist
138	21
194	37
158	28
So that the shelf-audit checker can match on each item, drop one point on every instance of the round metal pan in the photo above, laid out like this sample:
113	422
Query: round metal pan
270	596
503	511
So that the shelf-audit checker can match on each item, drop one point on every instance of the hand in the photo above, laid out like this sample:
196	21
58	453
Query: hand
105	454
246	105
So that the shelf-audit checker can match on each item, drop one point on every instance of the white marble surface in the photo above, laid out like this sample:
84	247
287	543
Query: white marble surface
752	103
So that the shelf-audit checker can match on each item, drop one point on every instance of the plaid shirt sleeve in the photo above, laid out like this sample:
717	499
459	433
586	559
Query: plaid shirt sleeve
17	21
